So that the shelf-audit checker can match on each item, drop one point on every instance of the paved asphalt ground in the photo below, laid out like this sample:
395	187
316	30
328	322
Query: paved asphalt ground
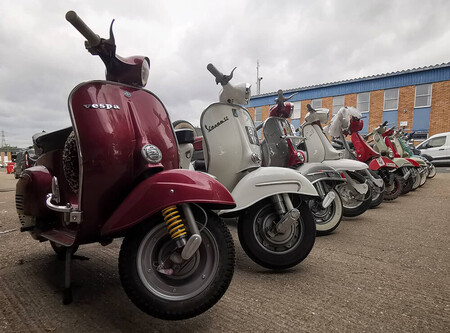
386	271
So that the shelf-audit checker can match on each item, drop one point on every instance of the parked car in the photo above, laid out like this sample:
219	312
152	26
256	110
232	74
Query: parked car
24	159
436	148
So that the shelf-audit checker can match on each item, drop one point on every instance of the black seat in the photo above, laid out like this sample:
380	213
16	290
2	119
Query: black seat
45	142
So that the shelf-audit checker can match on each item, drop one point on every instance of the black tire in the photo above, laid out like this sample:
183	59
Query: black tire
417	179
186	293
377	195
363	205
272	252
177	124
328	219
394	193
62	250
408	184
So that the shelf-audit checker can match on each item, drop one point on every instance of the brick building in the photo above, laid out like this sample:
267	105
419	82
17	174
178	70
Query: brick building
417	99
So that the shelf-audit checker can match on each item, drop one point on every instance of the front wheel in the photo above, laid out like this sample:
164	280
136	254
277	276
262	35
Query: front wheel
354	203
282	250
327	219
191	287
432	170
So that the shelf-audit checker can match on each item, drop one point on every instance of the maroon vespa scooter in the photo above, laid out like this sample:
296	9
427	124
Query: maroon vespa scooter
115	173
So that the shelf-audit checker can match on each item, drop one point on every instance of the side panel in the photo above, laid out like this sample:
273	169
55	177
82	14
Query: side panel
413	162
385	163
162	190
31	192
267	181
401	162
346	165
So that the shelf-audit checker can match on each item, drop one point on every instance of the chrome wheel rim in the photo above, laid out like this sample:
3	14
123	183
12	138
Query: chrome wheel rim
189	279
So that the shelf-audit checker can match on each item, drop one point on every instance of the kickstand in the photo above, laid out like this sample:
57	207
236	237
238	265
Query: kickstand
67	298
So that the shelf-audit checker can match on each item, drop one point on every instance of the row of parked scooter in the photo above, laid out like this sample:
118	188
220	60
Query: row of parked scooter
123	170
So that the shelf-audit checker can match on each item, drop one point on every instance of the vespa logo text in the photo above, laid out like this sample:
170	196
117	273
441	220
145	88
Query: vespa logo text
210	128
102	106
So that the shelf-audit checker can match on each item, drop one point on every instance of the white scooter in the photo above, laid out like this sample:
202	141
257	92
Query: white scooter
279	148
356	193
275	225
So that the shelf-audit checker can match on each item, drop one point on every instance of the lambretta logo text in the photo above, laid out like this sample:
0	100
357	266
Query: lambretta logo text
102	106
210	128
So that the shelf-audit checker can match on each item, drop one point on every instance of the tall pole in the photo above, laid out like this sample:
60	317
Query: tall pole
258	79
3	143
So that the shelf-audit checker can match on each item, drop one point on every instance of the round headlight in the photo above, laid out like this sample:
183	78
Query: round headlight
390	153
145	70
151	153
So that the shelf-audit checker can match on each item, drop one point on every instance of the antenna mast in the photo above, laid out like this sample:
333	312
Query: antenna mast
258	79
3	143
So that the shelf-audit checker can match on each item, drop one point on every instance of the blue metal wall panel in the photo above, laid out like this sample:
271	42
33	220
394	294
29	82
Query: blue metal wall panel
391	117
421	120
360	85
295	123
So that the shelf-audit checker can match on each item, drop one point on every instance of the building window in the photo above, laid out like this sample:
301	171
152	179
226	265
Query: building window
391	99
423	96
363	101
316	103
258	113
297	110
338	102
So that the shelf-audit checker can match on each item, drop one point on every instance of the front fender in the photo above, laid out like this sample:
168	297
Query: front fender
267	181
165	189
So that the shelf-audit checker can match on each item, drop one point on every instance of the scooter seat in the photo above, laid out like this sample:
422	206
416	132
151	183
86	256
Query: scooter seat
45	142
185	135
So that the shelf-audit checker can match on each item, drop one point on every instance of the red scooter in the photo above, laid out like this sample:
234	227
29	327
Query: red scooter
115	173
381	165
416	174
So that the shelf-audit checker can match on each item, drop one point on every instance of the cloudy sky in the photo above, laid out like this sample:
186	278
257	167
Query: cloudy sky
298	43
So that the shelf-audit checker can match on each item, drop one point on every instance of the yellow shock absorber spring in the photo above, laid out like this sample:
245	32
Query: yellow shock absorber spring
174	223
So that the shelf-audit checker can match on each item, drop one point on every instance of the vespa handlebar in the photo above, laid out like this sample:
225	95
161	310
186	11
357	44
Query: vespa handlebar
384	124
220	77
78	24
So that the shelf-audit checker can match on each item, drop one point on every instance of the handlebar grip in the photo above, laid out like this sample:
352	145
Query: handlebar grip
214	71
78	24
384	124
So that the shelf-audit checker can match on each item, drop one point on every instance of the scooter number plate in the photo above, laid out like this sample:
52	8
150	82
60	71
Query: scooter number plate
380	161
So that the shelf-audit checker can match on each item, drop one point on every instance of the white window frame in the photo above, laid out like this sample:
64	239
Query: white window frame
390	99
316	100
297	110
359	102
258	108
429	95
336	106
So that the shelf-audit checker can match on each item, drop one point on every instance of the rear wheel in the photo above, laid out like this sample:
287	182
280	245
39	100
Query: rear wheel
327	219
186	288
408	184
393	191
282	250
